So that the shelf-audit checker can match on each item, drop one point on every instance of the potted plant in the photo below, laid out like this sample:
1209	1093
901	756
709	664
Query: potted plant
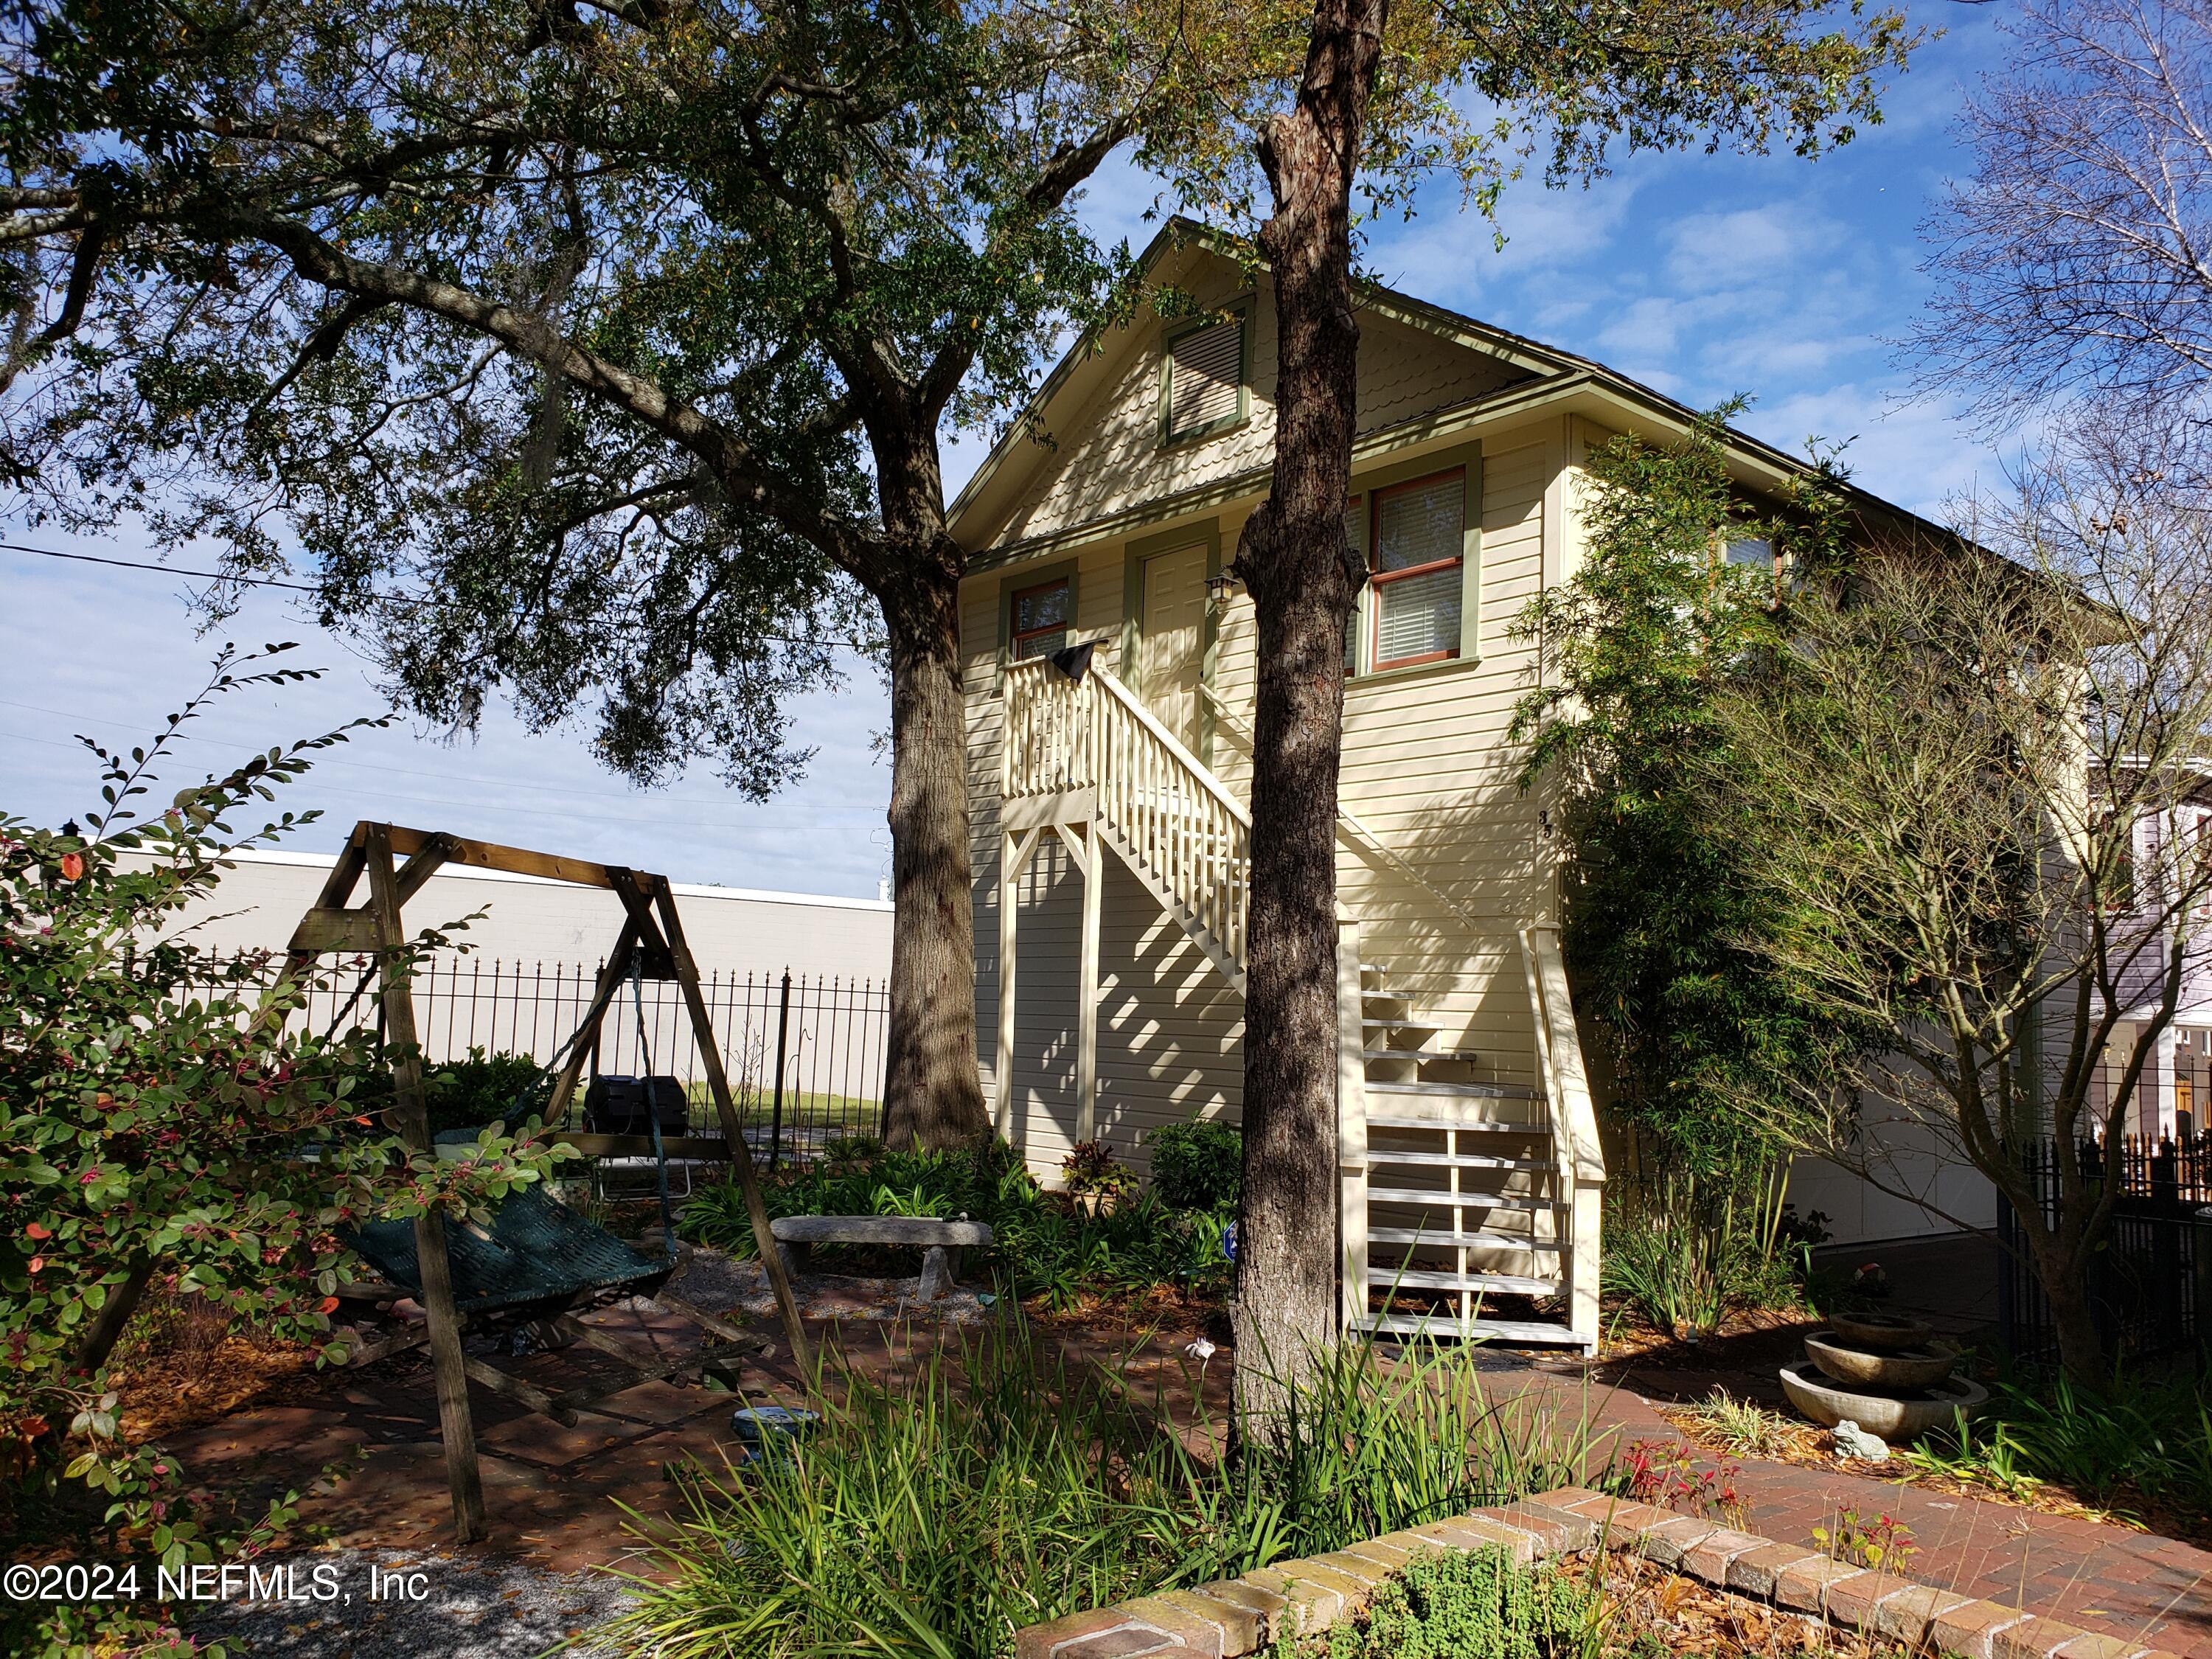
1094	1180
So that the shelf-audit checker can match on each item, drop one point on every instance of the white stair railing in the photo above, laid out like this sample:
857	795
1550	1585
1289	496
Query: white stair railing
1579	1157
1170	819
1085	750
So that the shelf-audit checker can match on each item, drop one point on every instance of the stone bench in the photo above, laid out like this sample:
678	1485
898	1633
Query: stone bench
939	1242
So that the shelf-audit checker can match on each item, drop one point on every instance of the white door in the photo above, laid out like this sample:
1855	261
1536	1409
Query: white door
1172	651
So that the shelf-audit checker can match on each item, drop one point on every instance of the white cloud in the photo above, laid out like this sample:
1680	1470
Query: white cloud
1917	454
1646	332
1449	256
1711	251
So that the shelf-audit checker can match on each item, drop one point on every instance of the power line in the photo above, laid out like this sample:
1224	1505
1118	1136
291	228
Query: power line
322	761
864	646
635	820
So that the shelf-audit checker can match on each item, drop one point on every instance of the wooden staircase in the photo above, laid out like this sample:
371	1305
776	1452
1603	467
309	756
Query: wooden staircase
1456	1191
1463	1198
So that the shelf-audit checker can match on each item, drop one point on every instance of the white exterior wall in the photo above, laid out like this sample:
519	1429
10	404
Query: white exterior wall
527	920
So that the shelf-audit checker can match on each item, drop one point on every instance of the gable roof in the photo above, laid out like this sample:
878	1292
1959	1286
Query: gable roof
1546	379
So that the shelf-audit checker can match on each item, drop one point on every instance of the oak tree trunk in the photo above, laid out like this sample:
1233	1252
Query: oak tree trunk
1303	577
932	1095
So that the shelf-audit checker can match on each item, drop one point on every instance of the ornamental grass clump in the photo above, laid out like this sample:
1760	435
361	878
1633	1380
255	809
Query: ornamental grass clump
932	1513
1000	1485
2147	1442
1369	1443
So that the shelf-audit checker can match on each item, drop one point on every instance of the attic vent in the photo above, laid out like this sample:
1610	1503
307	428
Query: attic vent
1205	377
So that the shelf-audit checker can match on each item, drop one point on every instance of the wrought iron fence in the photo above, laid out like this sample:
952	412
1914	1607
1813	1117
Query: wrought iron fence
805	1054
2150	1287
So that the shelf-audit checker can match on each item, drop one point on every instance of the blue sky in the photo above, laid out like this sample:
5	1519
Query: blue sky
1703	275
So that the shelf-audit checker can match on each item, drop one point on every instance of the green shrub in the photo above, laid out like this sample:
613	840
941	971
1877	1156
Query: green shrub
1091	1170
462	1094
1042	1246
1476	1602
1198	1166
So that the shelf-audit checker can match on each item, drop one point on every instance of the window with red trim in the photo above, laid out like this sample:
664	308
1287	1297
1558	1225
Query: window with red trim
1418	535
1041	619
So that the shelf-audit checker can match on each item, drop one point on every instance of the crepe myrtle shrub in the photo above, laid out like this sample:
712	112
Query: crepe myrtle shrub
155	1103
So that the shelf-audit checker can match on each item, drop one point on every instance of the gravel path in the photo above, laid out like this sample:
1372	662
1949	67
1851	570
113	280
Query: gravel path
469	1606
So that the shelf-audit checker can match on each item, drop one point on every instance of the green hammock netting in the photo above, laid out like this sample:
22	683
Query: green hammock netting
536	1252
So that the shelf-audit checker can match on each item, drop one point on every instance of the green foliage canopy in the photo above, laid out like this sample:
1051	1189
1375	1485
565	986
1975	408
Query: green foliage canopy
594	351
1719	1053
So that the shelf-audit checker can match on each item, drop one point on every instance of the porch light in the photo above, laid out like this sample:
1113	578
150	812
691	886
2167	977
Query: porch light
1219	586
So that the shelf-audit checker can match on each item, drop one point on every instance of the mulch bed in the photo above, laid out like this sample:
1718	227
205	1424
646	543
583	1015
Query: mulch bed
165	1391
1650	1611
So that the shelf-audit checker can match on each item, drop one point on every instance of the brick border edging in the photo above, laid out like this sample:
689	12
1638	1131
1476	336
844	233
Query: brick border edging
1234	1617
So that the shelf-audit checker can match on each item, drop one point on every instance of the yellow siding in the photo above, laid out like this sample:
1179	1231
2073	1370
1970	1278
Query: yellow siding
1168	1026
1427	766
1109	457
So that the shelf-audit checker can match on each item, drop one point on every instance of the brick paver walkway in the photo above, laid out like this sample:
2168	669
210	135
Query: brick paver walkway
2136	1586
549	1489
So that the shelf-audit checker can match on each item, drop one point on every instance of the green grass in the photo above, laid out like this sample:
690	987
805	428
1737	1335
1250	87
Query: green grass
1002	1485
816	1109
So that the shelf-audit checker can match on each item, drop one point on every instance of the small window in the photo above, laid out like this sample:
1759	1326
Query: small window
1754	550
1204	371
1419	559
1041	620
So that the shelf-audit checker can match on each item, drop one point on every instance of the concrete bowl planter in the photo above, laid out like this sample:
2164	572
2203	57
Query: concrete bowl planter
1896	1419
1908	1372
1883	1332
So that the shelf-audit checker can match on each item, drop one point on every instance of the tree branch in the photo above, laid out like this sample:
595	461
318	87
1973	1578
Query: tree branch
737	470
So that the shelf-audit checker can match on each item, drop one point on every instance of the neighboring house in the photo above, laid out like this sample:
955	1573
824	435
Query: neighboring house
1117	800
2167	911
2170	912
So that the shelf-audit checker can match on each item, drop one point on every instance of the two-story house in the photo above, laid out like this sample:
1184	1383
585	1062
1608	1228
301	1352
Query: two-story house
1107	786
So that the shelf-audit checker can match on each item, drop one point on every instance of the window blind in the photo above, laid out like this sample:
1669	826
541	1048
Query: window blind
1418	563
1418	616
1204	375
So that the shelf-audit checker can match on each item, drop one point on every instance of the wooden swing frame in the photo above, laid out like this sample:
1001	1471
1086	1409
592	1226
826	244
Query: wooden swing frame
650	926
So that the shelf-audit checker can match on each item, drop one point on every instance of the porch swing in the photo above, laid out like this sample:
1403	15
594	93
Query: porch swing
538	1265
538	1259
